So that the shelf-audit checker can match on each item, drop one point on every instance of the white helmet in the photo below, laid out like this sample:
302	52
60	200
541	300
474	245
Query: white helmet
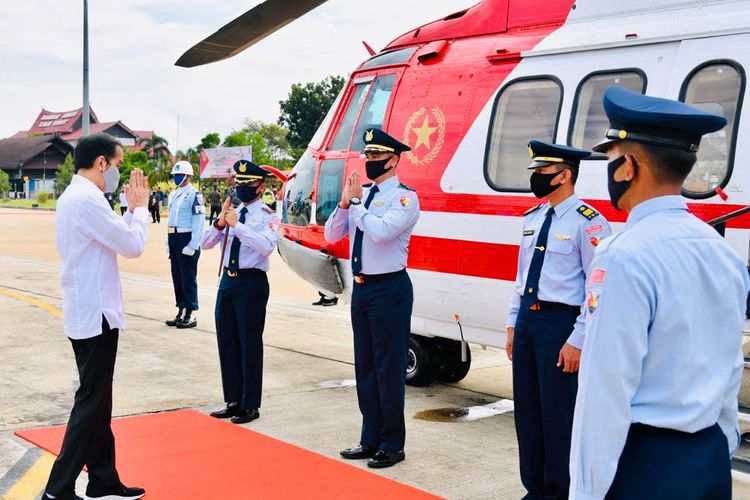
182	167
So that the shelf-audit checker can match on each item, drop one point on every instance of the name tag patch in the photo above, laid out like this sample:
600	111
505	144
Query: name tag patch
528	232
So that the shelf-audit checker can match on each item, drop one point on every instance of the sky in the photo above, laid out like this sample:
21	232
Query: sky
134	44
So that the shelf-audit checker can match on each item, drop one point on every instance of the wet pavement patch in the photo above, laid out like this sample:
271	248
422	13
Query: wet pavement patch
466	414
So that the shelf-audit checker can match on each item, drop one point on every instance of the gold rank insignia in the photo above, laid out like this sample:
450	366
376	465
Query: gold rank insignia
587	212
243	167
562	236
368	135
378	203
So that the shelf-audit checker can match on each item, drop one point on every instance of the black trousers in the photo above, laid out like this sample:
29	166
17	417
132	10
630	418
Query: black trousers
544	399
215	211
88	438
184	270
381	320
155	214
240	318
664	464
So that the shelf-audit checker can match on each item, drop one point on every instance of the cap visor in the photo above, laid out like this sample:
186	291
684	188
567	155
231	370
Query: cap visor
602	147
539	164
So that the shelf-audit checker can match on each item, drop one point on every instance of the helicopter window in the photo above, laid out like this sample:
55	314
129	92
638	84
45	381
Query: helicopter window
330	184
298	198
344	135
589	121
392	57
374	111
715	87
525	109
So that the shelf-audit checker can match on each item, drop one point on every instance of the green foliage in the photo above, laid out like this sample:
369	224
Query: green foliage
209	141
42	198
303	111
64	174
4	183
261	153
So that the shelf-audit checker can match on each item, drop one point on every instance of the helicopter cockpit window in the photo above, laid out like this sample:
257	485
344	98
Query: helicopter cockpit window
394	57
524	109
715	88
589	121
298	196
330	183
344	135
373	113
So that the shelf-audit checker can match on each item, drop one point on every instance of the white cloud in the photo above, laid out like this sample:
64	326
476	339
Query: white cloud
134	44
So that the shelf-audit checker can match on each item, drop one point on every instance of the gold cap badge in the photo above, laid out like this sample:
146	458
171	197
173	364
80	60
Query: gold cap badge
531	152
243	167
369	135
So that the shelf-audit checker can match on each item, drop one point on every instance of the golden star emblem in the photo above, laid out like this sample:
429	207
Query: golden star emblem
423	134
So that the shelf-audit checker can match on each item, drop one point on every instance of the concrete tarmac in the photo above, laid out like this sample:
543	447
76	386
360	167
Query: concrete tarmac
308	396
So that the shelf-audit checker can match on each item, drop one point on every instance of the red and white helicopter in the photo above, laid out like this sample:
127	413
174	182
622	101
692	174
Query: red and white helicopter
467	92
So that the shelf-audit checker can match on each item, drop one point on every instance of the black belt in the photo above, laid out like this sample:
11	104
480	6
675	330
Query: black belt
543	305
650	430
241	273
361	279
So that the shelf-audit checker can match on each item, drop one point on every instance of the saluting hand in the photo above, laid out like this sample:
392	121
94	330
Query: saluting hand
136	191
569	358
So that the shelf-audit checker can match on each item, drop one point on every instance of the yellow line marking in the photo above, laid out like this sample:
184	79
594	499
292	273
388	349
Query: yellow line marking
32	483
34	302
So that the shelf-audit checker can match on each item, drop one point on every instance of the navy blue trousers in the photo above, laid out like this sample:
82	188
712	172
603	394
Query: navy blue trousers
544	399
184	269
240	319
381	320
665	464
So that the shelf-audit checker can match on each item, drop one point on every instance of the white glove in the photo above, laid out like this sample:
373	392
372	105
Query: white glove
188	251
166	244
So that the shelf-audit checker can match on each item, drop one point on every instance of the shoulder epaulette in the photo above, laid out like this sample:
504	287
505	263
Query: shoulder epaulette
587	212
404	186
533	209
268	209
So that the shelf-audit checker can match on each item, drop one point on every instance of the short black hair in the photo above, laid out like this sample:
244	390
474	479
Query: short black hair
668	164
90	148
574	172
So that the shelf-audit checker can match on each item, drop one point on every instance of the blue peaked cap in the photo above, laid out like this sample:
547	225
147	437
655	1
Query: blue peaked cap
543	154
655	121
246	171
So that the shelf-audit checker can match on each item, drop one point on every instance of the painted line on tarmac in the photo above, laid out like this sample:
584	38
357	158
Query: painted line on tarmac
18	469
31	300
32	481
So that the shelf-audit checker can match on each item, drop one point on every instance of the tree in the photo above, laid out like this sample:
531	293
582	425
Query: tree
64	174
261	152
303	111
276	138
4	183
209	141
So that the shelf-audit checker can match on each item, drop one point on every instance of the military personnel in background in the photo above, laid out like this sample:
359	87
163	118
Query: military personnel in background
545	322
379	228
187	214
214	199
243	292
656	415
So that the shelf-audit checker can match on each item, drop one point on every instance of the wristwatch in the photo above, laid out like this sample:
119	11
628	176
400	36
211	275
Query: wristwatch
354	201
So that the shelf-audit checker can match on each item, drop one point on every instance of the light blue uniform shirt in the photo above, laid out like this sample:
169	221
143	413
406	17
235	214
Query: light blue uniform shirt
187	209
387	226
575	231
665	308
258	236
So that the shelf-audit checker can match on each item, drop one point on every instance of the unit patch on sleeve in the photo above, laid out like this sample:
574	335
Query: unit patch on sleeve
587	212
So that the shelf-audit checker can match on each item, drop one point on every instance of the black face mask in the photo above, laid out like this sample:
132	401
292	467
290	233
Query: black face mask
375	168
246	194
541	184
617	189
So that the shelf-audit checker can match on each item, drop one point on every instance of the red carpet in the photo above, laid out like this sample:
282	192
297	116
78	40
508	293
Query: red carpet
185	454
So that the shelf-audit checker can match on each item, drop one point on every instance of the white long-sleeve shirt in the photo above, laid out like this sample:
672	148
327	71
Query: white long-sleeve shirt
89	237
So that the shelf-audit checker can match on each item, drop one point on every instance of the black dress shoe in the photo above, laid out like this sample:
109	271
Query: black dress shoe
245	416
71	496
188	321
114	492
177	319
228	411
383	459
358	452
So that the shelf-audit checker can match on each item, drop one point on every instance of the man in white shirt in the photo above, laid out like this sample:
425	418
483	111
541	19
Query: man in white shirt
89	237
123	203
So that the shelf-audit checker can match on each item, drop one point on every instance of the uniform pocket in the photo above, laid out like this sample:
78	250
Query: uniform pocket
564	247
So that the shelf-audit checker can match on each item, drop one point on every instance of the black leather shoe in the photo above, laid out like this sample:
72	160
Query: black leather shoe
358	452
383	459
188	321
228	411
245	416
177	319
71	496
114	492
